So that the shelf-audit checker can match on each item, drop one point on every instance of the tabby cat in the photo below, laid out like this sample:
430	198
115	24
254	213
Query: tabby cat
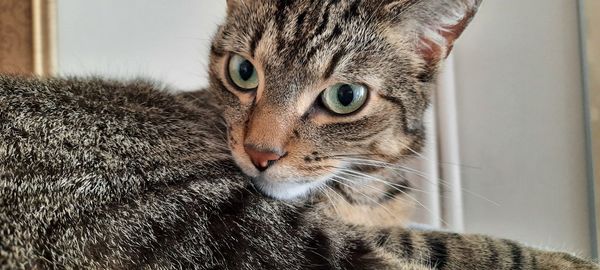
319	93
103	174
111	175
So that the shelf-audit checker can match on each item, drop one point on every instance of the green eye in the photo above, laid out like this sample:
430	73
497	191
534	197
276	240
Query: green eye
242	73
344	98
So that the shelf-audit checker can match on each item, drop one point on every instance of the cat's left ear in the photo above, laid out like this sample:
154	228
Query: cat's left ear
434	24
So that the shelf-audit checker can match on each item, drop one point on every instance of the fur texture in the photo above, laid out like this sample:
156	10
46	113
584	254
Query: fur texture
300	48
111	175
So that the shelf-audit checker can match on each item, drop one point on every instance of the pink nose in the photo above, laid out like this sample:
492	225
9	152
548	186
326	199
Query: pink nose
262	160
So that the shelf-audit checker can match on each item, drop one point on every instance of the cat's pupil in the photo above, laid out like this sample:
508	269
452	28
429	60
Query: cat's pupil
345	95
246	70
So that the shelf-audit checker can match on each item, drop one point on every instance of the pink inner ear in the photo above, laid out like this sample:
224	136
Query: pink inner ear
432	52
429	50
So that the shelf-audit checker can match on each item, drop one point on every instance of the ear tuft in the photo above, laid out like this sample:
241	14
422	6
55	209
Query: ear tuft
436	23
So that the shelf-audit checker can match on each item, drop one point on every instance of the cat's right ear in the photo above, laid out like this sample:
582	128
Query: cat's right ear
432	25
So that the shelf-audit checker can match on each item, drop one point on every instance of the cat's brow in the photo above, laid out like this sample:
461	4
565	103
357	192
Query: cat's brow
333	63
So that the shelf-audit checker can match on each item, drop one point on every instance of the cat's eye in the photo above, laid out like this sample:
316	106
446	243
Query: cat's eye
242	73
344	98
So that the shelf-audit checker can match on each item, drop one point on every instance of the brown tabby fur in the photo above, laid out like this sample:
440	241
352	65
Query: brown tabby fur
111	175
300	47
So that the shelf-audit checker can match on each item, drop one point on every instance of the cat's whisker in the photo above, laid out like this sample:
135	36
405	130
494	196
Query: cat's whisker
337	211
421	174
340	181
337	193
444	223
344	170
397	189
353	182
421	156
373	188
389	182
379	163
357	155
411	156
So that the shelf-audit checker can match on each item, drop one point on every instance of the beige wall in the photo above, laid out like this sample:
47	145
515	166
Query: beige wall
521	123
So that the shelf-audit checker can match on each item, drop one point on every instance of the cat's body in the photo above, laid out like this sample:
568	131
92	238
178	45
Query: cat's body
305	95
110	175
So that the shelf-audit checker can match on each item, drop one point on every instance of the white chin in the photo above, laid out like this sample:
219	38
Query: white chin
286	191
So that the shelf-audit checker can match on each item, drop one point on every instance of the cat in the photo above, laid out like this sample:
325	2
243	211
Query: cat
98	174
321	94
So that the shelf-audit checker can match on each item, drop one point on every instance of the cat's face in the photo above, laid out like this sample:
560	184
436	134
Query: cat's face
311	87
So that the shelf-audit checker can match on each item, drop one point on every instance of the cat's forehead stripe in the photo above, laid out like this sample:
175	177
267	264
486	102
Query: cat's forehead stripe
256	38
302	29
333	64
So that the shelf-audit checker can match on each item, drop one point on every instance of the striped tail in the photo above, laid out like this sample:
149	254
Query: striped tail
441	250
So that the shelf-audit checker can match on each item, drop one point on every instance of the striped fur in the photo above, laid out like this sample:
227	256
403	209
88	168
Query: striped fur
300	47
112	175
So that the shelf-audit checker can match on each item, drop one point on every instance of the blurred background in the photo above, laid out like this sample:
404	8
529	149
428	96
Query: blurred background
514	130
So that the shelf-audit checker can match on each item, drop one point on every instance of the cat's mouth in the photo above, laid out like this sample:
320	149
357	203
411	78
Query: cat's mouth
283	182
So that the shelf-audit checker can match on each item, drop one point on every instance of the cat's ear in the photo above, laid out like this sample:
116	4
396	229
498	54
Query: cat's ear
434	25
233	4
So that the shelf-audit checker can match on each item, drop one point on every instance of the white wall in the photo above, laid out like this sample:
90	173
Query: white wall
518	79
162	39
521	123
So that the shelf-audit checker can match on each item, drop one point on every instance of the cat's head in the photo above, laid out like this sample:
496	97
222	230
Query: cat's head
313	87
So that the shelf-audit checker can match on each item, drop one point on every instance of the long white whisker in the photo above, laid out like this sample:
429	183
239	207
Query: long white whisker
368	186
357	173
383	164
444	163
399	190
397	167
331	200
369	198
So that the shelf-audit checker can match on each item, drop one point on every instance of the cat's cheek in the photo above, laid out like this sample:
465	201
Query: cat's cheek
242	161
235	138
390	144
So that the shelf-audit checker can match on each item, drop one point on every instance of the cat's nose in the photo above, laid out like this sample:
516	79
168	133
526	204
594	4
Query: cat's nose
262	160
